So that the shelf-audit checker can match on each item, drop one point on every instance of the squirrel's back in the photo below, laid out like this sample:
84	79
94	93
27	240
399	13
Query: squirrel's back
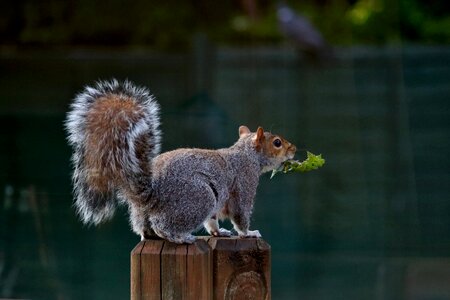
113	128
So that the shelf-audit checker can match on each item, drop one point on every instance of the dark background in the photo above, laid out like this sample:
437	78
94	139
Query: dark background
372	224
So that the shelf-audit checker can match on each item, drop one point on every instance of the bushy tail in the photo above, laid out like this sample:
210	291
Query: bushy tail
114	130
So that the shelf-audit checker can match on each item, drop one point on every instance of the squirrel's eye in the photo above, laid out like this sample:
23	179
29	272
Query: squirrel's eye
277	143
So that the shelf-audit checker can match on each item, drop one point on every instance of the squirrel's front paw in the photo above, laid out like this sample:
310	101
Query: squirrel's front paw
222	232
250	234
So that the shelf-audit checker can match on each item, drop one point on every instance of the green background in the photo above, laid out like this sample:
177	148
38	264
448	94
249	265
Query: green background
370	224
373	223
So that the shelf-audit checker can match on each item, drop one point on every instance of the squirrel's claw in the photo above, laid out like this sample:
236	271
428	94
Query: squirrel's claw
222	232
251	234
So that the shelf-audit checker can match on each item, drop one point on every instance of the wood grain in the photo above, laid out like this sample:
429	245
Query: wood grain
135	285
150	270
210	268
173	271
241	268
199	270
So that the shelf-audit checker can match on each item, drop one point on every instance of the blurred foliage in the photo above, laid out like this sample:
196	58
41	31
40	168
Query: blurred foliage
169	25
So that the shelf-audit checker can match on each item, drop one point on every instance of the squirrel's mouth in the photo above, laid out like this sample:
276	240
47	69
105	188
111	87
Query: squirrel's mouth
290	155
291	152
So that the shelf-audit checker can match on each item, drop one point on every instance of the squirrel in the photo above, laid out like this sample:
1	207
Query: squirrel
113	128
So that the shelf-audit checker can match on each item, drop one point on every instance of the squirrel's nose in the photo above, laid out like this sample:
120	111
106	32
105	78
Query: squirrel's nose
293	148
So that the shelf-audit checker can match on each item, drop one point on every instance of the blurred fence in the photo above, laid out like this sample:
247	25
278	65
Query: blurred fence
372	224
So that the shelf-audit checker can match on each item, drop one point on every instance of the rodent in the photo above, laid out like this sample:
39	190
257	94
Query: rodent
113	128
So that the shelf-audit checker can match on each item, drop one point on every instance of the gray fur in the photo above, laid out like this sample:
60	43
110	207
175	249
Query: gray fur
181	190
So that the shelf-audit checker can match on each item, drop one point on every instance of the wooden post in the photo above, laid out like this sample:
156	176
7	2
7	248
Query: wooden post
241	268
164	270
211	268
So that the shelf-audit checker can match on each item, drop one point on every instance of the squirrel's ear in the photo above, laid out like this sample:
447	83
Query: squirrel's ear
259	138
243	131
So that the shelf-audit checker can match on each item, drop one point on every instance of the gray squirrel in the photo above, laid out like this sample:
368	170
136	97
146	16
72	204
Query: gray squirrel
113	128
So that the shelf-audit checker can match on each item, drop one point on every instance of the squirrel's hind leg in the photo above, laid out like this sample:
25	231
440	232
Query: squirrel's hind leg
149	234
212	227
175	237
140	222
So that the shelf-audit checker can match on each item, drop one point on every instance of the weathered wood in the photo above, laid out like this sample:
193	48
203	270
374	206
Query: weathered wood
199	270
136	271
163	270
173	271
150	270
241	268
211	268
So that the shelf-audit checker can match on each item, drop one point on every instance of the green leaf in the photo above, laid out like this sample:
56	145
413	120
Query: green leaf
312	162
